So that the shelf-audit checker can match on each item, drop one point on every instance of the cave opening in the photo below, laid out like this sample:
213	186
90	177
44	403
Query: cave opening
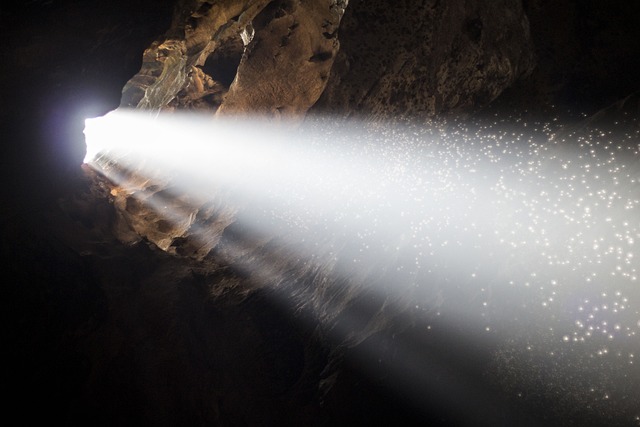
222	64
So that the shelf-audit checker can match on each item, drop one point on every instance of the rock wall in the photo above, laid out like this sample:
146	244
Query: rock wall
399	58
282	52
423	58
440	57
97	332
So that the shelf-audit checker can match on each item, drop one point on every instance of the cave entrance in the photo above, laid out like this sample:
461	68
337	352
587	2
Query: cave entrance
222	64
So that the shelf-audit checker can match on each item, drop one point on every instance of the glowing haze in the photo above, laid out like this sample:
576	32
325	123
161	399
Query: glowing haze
528	241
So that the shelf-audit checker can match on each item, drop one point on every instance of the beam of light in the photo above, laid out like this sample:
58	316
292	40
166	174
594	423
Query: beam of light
495	232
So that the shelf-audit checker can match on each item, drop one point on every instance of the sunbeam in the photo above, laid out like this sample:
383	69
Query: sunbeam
499	233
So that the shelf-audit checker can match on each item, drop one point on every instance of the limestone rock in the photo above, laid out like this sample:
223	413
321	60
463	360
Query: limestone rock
427	57
286	65
168	330
287	50
275	59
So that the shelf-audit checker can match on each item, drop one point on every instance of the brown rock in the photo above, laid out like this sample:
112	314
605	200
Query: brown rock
430	57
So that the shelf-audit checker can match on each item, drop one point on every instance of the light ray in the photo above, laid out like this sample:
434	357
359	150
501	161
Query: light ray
508	234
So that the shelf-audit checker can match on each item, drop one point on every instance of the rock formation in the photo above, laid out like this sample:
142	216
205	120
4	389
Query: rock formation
114	316
440	57
447	60
265	57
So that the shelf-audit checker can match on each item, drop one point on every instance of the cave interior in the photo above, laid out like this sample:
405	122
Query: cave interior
114	315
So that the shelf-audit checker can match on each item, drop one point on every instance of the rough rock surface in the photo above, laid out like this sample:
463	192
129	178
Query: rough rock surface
442	57
419	58
97	332
280	67
287	63
449	56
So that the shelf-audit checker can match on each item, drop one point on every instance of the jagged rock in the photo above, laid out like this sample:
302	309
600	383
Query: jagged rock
198	28
289	48
286	50
114	316
449	56
427	57
286	65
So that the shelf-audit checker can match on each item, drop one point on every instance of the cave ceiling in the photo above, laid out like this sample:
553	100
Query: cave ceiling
119	314
283	53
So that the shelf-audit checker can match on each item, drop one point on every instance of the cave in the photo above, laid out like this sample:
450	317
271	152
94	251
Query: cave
321	212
